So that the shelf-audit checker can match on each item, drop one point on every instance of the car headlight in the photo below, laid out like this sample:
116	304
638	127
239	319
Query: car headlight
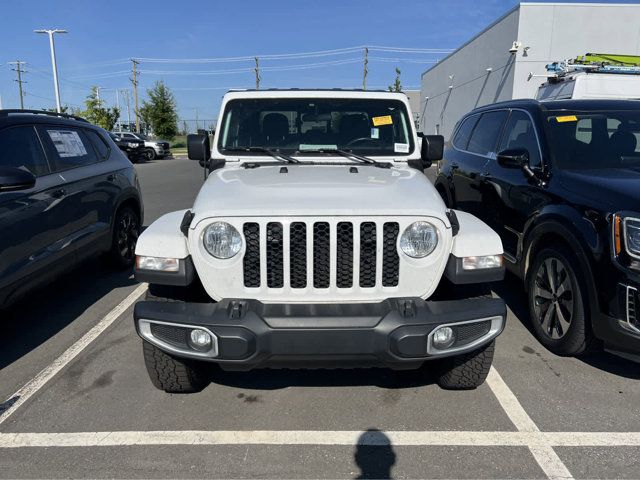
632	236
222	240
132	145
419	239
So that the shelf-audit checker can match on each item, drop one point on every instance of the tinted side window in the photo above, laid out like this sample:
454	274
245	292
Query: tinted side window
461	139
71	148
520	133
20	147
99	144
485	136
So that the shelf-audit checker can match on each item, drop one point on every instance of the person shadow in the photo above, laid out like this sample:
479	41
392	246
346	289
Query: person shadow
374	455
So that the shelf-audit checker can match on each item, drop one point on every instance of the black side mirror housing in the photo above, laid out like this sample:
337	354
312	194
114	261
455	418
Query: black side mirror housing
513	158
12	179
198	147
432	149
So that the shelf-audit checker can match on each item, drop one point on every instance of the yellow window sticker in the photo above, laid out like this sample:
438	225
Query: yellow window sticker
567	118
385	120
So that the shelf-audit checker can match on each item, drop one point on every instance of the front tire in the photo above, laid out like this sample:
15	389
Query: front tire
467	371
126	230
150	154
172	374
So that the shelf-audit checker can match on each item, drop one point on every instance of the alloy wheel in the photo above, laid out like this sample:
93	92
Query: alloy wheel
127	234
553	297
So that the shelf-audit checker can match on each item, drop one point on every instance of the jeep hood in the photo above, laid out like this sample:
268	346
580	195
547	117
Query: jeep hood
332	190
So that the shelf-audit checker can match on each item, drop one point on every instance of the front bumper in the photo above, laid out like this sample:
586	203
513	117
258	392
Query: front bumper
395	333
619	328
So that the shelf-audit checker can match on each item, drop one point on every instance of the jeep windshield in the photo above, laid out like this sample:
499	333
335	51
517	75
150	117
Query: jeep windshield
312	126
595	140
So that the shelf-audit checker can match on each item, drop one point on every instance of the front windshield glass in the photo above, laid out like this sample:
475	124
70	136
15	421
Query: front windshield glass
594	140
367	127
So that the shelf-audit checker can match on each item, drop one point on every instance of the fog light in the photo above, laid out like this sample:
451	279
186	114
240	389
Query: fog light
443	338
200	339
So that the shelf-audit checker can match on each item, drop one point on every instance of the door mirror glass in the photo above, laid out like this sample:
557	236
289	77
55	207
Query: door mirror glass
198	147
432	149
513	158
12	179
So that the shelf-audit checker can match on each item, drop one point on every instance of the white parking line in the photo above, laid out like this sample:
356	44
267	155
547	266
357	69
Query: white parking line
37	382
533	440
545	455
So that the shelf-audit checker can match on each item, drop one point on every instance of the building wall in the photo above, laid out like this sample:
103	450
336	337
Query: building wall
414	102
473	86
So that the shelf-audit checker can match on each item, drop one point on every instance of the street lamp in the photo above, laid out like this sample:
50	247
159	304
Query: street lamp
54	66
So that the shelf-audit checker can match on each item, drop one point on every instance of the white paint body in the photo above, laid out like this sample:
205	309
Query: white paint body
592	85
326	193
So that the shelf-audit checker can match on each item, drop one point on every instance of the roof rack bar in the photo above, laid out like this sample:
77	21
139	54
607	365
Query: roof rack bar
42	112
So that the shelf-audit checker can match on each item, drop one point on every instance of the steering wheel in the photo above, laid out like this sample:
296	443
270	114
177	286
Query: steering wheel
362	139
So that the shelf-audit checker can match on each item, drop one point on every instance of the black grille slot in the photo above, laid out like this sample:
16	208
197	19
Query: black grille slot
466	334
251	261
390	258
344	259
275	268
633	304
367	254
298	254
175	336
321	261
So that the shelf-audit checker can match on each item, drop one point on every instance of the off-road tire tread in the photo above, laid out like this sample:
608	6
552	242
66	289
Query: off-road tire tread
467	371
173	375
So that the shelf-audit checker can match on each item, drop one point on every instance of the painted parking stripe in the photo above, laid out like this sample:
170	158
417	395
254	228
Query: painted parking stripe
30	388
545	455
533	440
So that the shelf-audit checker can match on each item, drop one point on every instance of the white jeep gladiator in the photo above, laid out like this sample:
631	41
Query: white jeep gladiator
317	242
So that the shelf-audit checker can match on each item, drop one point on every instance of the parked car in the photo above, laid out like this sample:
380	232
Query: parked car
315	243
132	147
67	193
560	182
153	148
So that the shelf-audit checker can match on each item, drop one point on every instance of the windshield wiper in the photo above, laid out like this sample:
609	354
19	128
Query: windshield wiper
351	155
276	155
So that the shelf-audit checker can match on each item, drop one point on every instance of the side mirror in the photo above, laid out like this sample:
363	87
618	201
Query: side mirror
198	147
432	149
514	158
12	179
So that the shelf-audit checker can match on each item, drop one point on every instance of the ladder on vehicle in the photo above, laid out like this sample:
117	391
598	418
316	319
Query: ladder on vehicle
596	63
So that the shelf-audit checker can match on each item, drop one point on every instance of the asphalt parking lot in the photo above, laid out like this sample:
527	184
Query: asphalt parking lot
78	403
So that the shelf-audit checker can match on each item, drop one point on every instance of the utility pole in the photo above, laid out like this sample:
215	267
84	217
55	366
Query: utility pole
366	70
257	70
118	107
197	120
126	99
19	80
98	94
54	65
134	80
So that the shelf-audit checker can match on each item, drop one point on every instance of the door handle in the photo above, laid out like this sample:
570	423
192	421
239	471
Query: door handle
61	192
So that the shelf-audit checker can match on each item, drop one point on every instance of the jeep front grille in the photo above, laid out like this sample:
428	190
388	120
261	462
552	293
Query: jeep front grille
315	253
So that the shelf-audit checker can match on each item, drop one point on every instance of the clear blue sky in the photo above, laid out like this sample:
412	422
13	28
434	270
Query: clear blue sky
104	34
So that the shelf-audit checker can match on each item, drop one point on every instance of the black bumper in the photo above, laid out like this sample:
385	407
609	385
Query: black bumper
619	328
392	333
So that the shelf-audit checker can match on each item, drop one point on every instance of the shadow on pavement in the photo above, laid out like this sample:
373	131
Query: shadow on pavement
274	379
374	455
46	311
512	292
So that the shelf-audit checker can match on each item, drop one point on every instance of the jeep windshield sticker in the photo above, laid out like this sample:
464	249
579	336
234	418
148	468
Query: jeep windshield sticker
384	120
375	132
309	146
401	147
567	118
68	143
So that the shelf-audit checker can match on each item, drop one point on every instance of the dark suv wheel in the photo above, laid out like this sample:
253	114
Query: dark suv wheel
126	230
558	302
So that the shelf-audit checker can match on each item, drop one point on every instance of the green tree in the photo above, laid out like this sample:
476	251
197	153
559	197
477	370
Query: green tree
397	86
160	111
97	113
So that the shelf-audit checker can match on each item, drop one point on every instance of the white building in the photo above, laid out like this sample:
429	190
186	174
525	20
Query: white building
491	67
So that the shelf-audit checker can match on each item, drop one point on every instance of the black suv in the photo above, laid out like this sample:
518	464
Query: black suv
560	182
133	148
66	193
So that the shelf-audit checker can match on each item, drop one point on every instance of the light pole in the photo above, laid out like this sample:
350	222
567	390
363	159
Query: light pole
54	65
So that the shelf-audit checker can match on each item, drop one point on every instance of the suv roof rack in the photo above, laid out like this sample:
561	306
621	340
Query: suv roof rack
295	89
17	111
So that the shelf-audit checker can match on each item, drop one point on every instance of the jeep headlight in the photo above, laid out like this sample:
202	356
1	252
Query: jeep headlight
222	240
632	236
419	239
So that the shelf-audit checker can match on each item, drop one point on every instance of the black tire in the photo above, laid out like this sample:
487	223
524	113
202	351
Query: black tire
174	375
561	321
150	154
126	230
466	371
